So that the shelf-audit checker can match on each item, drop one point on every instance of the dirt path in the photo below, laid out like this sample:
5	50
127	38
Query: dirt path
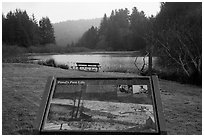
23	85
182	106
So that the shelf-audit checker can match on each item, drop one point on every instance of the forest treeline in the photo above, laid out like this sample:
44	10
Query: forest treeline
120	31
174	35
21	30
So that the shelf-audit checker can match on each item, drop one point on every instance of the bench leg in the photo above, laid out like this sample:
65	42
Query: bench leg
61	126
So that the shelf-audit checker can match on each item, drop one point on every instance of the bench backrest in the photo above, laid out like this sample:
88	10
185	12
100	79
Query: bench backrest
78	63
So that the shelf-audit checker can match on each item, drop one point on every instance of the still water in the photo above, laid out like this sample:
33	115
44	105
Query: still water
109	62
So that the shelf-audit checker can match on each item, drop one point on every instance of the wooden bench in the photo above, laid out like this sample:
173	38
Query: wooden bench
88	65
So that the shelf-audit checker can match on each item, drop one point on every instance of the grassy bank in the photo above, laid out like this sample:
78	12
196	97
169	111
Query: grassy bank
23	85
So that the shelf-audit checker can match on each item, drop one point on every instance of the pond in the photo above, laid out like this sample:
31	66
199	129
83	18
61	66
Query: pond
109	61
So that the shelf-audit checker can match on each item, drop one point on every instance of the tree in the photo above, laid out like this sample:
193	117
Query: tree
179	37
36	39
103	26
17	28
46	31
102	34
138	27
118	29
89	38
4	31
23	31
10	24
20	29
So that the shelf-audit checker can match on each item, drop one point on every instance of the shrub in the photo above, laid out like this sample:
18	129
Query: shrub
12	50
50	62
13	54
63	66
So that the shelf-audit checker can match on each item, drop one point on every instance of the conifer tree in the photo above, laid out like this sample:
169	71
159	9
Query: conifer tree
47	31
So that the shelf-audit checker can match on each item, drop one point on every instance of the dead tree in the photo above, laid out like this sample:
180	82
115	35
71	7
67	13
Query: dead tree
137	64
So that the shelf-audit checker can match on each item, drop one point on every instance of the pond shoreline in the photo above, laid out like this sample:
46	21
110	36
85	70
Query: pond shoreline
87	52
111	61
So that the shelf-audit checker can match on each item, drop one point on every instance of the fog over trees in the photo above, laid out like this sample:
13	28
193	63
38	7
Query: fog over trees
70	31
120	31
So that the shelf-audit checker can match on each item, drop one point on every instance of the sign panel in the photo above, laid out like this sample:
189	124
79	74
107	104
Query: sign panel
93	105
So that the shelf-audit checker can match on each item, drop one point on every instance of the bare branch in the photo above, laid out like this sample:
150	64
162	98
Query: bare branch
143	65
183	67
168	52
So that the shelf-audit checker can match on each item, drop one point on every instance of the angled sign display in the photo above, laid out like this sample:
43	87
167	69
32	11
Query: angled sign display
129	105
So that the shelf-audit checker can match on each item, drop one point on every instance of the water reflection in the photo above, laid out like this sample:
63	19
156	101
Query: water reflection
108	62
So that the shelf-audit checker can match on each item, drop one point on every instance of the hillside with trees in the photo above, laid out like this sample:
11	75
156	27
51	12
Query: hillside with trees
68	32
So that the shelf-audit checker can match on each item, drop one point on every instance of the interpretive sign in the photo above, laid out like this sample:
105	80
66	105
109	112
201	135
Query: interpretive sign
129	105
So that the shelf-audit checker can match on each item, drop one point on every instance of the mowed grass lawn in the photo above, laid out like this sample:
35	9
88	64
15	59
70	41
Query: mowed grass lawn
23	85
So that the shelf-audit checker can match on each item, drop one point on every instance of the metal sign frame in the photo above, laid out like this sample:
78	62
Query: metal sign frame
51	85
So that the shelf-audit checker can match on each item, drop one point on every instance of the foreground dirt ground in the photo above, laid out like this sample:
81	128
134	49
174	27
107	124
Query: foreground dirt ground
23	85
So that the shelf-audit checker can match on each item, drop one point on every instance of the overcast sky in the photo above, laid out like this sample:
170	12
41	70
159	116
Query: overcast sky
62	11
